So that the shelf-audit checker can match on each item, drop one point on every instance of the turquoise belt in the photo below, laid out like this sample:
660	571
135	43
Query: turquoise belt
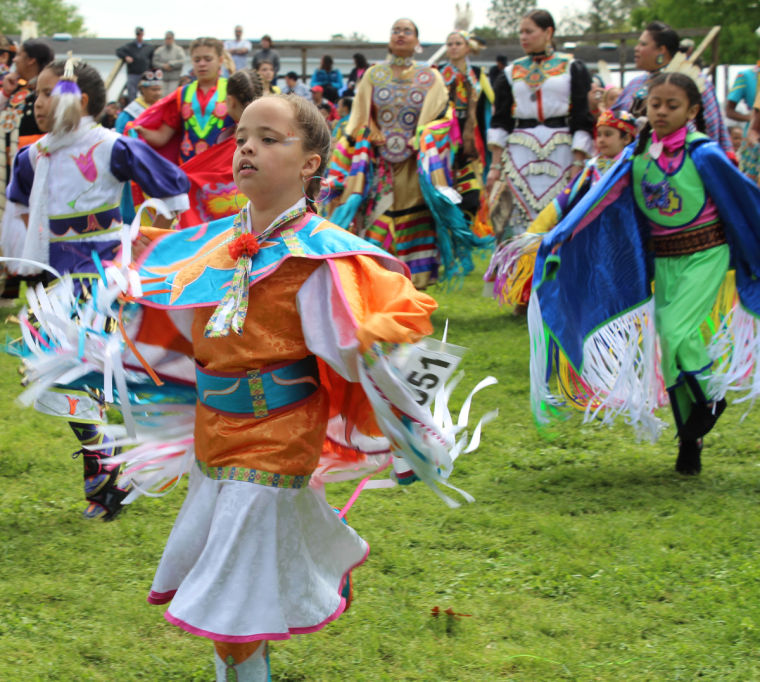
259	392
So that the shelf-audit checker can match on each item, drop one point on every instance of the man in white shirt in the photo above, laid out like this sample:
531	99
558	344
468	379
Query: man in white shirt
239	49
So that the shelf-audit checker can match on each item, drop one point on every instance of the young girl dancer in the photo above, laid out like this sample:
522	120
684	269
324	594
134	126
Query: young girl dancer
256	554
190	120
677	210
213	193
67	188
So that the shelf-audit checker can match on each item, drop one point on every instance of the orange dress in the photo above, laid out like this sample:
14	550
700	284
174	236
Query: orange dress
248	561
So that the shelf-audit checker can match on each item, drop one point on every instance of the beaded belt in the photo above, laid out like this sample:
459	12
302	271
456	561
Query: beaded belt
259	392
552	122
253	476
691	241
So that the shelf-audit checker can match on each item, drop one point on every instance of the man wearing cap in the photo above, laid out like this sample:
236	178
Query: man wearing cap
169	58
137	54
318	97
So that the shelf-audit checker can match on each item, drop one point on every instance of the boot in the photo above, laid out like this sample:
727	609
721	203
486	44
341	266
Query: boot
702	419
689	460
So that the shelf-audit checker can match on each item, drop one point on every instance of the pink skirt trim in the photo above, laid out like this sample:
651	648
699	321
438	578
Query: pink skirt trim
163	597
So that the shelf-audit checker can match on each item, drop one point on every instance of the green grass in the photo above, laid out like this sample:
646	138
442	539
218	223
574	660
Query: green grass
584	557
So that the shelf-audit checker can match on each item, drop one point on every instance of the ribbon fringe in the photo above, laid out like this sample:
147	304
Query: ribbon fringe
619	371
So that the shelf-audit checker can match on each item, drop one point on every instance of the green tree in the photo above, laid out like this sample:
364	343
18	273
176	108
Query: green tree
505	15
738	19
605	16
52	16
486	32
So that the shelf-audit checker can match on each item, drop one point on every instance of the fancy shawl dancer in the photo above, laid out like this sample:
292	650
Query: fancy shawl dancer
677	194
191	119
540	134
310	366
472	96
67	188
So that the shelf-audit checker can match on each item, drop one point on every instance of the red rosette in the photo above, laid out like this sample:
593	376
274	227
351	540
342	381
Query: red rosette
186	111
244	245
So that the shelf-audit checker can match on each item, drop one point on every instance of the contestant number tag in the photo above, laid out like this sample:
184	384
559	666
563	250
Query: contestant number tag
426	371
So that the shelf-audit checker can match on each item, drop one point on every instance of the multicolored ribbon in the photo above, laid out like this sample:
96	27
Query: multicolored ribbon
232	309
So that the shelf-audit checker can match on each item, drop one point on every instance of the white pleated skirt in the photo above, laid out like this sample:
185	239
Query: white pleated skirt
246	562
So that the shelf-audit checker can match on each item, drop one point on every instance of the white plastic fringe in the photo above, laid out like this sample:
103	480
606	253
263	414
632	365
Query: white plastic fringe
71	342
735	352
162	450
619	366
429	445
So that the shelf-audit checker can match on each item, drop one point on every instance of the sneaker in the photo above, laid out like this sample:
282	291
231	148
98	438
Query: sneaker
95	510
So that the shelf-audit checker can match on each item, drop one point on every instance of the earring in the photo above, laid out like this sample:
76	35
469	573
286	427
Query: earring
324	190
660	59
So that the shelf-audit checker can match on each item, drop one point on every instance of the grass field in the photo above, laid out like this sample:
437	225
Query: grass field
584	557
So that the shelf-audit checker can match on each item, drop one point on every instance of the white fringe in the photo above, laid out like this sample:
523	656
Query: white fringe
619	366
429	444
735	351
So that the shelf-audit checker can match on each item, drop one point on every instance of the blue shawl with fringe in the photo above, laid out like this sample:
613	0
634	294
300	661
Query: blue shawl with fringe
595	265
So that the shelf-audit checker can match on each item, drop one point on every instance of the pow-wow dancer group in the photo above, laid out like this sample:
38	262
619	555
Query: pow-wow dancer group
262	324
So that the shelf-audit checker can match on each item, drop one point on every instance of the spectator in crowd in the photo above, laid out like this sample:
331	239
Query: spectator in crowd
110	114
33	56
736	133
324	109
344	113
744	89
360	66
329	78
596	96
294	86
7	53
266	73
267	53
170	58
497	69
137	54
239	48
318	97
